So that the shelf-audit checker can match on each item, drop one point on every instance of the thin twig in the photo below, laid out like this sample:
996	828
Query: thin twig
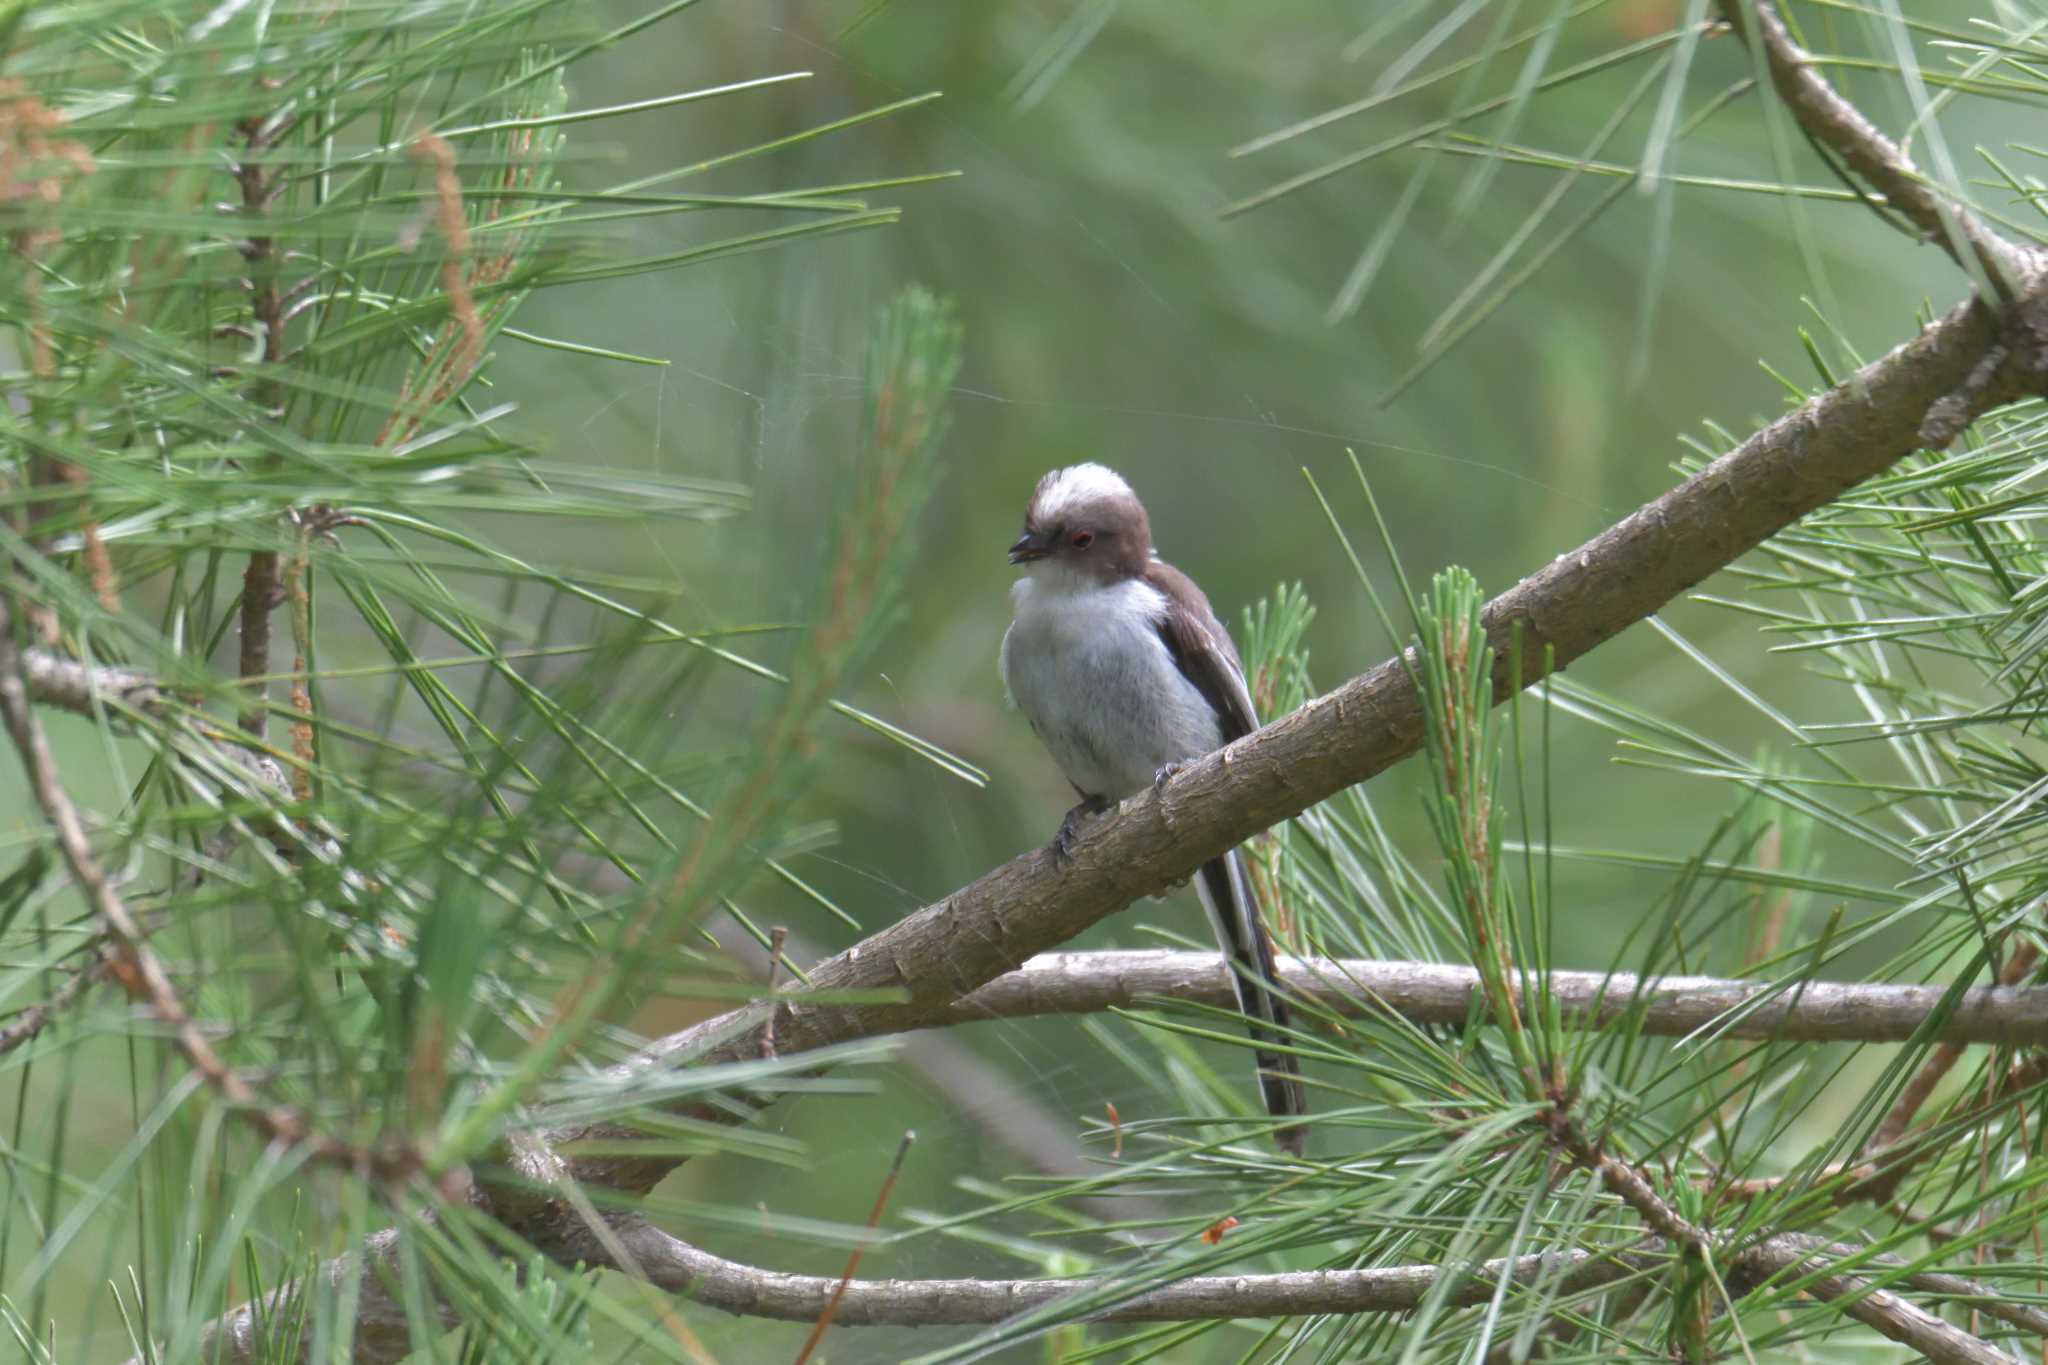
32	1020
1889	1156
853	1258
1941	1061
1880	1310
260	589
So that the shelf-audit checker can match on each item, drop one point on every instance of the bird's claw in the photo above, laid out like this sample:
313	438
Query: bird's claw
1070	828
1166	774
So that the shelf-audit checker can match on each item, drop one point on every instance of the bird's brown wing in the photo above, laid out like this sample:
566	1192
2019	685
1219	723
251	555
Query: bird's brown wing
1202	648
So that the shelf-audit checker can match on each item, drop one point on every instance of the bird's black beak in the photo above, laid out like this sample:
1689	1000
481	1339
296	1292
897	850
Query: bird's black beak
1031	545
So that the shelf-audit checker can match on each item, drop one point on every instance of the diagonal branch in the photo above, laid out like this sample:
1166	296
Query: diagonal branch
1837	124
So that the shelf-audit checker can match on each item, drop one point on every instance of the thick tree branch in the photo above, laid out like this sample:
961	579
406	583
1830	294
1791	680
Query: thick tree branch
1436	993
1883	164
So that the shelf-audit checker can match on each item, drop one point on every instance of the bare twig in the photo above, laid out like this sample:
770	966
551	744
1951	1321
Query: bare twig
1889	1156
260	588
853	1258
1839	125
1438	993
752	1292
1882	1311
732	1287
33	1019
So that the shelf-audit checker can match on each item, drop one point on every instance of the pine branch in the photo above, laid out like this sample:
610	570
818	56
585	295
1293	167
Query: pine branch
1837	124
1439	993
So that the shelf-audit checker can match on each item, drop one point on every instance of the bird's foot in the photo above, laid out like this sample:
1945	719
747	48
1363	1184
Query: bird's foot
1166	774
1070	827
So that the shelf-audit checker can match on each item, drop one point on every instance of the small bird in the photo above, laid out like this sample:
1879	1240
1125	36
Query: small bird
1125	674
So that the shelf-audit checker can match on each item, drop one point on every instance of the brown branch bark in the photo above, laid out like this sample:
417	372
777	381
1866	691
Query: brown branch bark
1878	1309
667	1262
752	1292
1882	163
260	588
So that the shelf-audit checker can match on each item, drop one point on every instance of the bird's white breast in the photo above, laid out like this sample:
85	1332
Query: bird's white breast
1086	665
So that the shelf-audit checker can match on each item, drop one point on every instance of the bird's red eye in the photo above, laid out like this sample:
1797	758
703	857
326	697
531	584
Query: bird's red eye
1082	539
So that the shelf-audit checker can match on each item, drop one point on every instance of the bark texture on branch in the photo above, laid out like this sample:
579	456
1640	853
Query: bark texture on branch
669	1263
1437	993
752	1292
1883	164
73	686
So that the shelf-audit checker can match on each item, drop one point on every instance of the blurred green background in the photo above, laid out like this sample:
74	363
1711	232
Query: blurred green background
1113	314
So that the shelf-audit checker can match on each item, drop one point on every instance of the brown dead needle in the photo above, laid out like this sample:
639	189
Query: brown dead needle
853	1261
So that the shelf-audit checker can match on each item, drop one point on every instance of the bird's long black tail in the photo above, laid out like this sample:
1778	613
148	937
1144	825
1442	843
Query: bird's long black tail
1227	895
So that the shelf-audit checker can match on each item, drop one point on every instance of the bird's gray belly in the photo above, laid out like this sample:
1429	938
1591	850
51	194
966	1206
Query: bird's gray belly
1110	716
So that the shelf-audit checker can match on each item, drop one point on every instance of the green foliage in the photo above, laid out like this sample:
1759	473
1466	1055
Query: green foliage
261	262
415	865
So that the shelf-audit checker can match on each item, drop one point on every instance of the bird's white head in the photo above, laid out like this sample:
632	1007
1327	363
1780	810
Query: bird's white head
1084	523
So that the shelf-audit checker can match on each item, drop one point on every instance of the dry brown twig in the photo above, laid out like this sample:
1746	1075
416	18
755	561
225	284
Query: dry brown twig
1882	163
261	590
1890	1155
